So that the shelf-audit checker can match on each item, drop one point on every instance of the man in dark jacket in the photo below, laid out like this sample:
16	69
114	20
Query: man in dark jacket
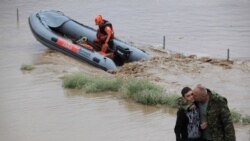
216	120
188	121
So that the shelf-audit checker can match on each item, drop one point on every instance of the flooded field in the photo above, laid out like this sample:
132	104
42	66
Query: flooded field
35	106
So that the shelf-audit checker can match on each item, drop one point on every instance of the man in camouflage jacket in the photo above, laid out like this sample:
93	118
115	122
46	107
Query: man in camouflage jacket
217	125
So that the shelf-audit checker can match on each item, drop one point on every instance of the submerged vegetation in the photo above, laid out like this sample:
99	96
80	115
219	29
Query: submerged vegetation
91	84
141	91
237	117
26	67
246	120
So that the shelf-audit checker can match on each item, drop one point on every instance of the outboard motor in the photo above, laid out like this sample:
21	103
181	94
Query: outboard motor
121	55
122	52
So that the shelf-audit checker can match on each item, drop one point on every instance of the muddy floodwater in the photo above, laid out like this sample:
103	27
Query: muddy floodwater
35	107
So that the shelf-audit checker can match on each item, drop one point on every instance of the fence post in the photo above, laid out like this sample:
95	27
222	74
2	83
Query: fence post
17	15
228	54
164	39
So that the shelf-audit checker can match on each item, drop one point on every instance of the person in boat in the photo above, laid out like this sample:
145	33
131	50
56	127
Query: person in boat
105	34
188	118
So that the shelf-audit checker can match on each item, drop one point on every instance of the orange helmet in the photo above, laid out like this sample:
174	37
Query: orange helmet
98	20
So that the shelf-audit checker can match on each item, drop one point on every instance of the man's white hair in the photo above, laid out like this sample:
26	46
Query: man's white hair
202	88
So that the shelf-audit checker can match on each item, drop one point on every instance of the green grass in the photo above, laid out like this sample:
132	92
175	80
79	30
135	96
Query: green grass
145	92
91	84
26	67
141	91
170	100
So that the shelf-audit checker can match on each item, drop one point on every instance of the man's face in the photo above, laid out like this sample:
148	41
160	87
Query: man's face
197	94
189	96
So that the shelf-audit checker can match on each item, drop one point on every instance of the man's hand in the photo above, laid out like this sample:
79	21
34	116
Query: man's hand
203	125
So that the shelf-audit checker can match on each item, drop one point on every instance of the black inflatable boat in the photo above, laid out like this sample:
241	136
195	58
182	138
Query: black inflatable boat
61	33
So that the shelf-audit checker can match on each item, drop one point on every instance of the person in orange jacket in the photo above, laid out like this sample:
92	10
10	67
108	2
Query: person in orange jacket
105	34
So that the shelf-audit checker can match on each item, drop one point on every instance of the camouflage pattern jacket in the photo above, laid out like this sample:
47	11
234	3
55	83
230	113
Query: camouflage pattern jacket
219	118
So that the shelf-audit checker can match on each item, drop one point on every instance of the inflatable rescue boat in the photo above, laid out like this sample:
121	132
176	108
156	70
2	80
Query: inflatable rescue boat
59	32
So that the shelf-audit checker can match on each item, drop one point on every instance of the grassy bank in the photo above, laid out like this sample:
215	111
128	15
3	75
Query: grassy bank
141	91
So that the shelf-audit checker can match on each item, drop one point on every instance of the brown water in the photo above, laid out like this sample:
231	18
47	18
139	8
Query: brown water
34	106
